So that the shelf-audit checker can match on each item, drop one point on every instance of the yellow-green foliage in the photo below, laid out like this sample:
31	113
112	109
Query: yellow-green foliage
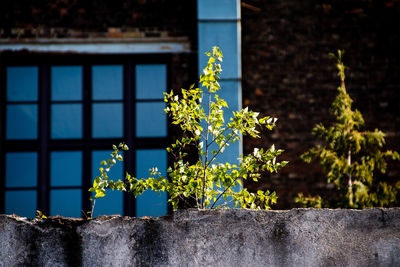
200	114
309	201
352	158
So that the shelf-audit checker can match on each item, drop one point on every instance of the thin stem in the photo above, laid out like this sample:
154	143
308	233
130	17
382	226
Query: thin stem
216	137
197	197
219	150
348	130
94	202
214	156
226	189
350	183
226	203
206	156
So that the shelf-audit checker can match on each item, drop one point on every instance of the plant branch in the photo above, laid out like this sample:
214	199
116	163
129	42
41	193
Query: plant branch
226	189
206	156
219	150
216	137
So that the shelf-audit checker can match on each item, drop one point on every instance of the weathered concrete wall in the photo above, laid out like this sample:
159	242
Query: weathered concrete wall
299	237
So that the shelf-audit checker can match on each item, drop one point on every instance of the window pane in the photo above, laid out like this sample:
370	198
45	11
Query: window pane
22	203
22	83
66	168
66	202
151	81
112	203
66	121
107	120
21	177
107	82
151	120
151	203
22	121
66	83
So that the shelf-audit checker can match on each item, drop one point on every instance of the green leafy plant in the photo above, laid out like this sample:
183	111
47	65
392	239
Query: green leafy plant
40	215
206	183
352	159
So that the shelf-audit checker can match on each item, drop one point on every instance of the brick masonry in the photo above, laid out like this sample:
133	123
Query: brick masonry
83	19
116	20
287	73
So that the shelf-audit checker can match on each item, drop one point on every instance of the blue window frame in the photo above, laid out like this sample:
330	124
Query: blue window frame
60	115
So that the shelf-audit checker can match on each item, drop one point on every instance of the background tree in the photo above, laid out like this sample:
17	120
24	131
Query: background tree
352	159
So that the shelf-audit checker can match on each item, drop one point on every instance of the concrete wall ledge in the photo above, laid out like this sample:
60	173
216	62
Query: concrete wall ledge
298	237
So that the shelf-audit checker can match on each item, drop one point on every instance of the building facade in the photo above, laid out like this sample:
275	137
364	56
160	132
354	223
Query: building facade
79	76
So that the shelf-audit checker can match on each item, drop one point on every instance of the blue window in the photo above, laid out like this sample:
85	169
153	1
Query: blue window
66	83
66	168
151	81
112	203
151	203
66	182
151	120
66	202
22	121
107	82
22	118
21	169
22	83
66	117
66	121
107	120
61	118
107	116
21	202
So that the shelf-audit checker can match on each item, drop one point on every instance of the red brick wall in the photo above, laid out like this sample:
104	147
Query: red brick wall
92	18
287	73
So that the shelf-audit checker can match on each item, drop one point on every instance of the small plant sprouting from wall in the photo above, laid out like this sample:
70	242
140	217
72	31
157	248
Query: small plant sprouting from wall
206	183
352	159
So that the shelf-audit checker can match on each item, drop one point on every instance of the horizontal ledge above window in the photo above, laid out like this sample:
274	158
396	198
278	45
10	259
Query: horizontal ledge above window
99	45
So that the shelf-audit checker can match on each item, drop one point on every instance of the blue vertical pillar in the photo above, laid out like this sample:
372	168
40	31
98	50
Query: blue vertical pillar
219	25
